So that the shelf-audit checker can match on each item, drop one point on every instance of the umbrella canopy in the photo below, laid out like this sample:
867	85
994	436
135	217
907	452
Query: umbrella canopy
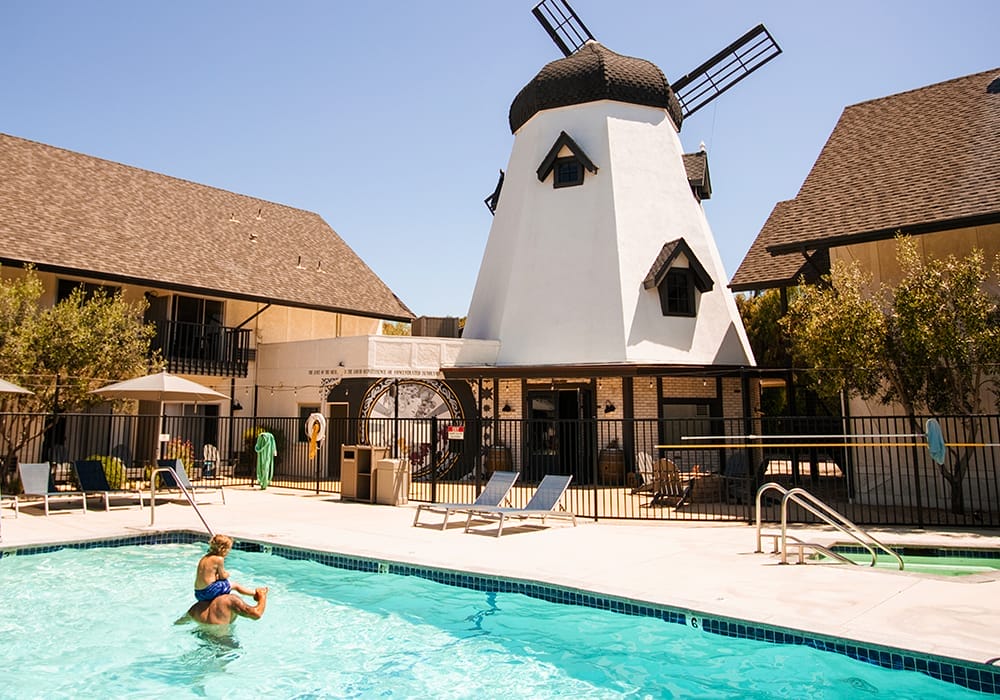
8	388
162	387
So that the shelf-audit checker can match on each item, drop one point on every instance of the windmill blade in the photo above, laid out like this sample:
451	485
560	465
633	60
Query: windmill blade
563	25
725	69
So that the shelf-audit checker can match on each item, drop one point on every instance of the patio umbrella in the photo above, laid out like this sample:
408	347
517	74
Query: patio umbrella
163	387
8	388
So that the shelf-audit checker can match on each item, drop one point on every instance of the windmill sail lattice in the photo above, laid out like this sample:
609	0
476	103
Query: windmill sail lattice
563	25
725	69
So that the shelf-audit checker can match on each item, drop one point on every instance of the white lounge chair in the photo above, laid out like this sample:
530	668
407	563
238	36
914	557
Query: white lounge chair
168	482
494	493
36	482
542	504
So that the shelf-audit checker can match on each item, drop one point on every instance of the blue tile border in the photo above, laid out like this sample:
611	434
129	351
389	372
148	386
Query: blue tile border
983	678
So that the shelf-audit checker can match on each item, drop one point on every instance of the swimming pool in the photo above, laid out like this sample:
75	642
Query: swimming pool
98	621
937	561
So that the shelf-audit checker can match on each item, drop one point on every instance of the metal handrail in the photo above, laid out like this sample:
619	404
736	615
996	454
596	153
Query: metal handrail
823	511
187	495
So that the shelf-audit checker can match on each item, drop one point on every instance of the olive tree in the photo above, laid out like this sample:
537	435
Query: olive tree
61	353
930	344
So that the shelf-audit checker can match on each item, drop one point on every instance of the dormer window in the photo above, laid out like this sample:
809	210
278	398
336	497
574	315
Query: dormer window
678	277
567	163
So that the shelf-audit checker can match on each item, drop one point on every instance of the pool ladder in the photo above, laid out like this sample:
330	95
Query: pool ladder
825	513
187	495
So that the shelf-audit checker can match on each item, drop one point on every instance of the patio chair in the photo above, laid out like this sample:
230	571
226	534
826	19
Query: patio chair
213	466
168	482
93	481
494	493
543	504
665	485
36	482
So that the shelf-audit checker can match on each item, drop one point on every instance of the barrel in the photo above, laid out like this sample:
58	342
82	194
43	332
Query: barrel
611	465
498	460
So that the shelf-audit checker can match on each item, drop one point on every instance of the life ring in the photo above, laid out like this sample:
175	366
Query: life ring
316	419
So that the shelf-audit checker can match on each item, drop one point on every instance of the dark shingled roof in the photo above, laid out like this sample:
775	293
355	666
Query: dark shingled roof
71	213
761	270
594	73
696	165
920	161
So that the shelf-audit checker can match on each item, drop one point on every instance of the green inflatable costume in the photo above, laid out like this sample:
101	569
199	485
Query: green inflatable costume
266	451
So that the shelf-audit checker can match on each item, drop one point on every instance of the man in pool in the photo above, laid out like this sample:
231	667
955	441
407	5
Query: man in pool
224	609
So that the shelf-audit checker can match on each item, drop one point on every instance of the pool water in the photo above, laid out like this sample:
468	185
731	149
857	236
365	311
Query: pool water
939	562
99	622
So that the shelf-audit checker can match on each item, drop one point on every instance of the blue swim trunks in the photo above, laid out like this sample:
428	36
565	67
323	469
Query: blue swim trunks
213	590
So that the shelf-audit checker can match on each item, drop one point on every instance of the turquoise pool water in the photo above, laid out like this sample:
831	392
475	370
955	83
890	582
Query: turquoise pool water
98	622
936	561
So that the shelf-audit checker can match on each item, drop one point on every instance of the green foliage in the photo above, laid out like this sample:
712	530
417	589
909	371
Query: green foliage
179	448
761	314
391	328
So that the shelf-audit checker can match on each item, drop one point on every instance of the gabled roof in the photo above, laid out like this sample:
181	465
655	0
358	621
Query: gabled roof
71	213
696	165
664	261
917	162
762	270
564	141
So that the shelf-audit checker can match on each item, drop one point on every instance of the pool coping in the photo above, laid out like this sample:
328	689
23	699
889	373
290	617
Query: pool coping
980	677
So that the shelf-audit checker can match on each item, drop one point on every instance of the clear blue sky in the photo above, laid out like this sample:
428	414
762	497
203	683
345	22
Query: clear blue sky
389	118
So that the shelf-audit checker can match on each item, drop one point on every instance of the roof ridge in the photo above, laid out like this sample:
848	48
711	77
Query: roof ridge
156	173
923	88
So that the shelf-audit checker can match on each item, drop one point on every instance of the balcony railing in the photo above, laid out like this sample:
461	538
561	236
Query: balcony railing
195	348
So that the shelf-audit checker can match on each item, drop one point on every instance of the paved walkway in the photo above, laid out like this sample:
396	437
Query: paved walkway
701	567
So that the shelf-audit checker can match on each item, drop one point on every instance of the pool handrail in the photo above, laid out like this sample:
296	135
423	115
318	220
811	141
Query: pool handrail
823	511
187	495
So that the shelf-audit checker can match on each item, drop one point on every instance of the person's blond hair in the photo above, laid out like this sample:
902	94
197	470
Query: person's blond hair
220	545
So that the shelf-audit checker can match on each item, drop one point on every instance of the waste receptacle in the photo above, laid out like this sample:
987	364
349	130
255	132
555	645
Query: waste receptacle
392	482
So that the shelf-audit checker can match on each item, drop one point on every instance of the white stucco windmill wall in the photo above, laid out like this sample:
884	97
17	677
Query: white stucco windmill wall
561	280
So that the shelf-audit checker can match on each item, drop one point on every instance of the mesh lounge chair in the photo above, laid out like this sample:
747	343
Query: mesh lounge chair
168	482
93	481
543	504
36	482
494	493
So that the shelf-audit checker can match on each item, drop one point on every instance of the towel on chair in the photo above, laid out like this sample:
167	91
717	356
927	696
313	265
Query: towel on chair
266	450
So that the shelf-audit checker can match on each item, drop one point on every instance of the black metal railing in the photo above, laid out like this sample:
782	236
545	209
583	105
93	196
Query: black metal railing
875	471
197	348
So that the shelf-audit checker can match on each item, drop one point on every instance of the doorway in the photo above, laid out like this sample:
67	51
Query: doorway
560	433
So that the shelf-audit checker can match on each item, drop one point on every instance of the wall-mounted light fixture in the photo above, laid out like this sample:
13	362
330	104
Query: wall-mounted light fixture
609	407
237	406
506	408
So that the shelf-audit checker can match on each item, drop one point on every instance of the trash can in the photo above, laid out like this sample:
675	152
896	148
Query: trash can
392	482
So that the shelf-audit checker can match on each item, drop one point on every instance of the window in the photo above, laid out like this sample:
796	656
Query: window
568	172
677	293
65	287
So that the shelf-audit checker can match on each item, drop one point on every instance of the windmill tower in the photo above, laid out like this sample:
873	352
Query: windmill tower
600	252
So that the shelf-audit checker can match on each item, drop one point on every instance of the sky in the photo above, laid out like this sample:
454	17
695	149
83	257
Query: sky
389	119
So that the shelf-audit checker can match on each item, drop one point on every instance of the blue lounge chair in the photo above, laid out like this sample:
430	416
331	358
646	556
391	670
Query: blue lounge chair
93	481
543	504
36	482
168	481
494	493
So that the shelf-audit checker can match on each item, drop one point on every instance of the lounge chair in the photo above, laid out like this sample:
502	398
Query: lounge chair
667	487
36	482
93	481
494	493
167	481
213	465
542	504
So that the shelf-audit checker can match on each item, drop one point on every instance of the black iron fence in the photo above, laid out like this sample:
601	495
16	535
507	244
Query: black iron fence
875	471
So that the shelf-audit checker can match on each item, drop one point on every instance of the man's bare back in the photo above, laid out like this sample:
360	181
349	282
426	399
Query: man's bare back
224	609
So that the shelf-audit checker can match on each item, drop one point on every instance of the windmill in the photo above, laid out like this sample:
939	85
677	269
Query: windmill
695	89
600	253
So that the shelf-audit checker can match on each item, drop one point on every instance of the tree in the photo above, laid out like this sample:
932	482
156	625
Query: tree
61	353
930	344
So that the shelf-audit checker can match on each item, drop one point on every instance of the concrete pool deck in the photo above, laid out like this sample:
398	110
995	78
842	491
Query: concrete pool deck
700	567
